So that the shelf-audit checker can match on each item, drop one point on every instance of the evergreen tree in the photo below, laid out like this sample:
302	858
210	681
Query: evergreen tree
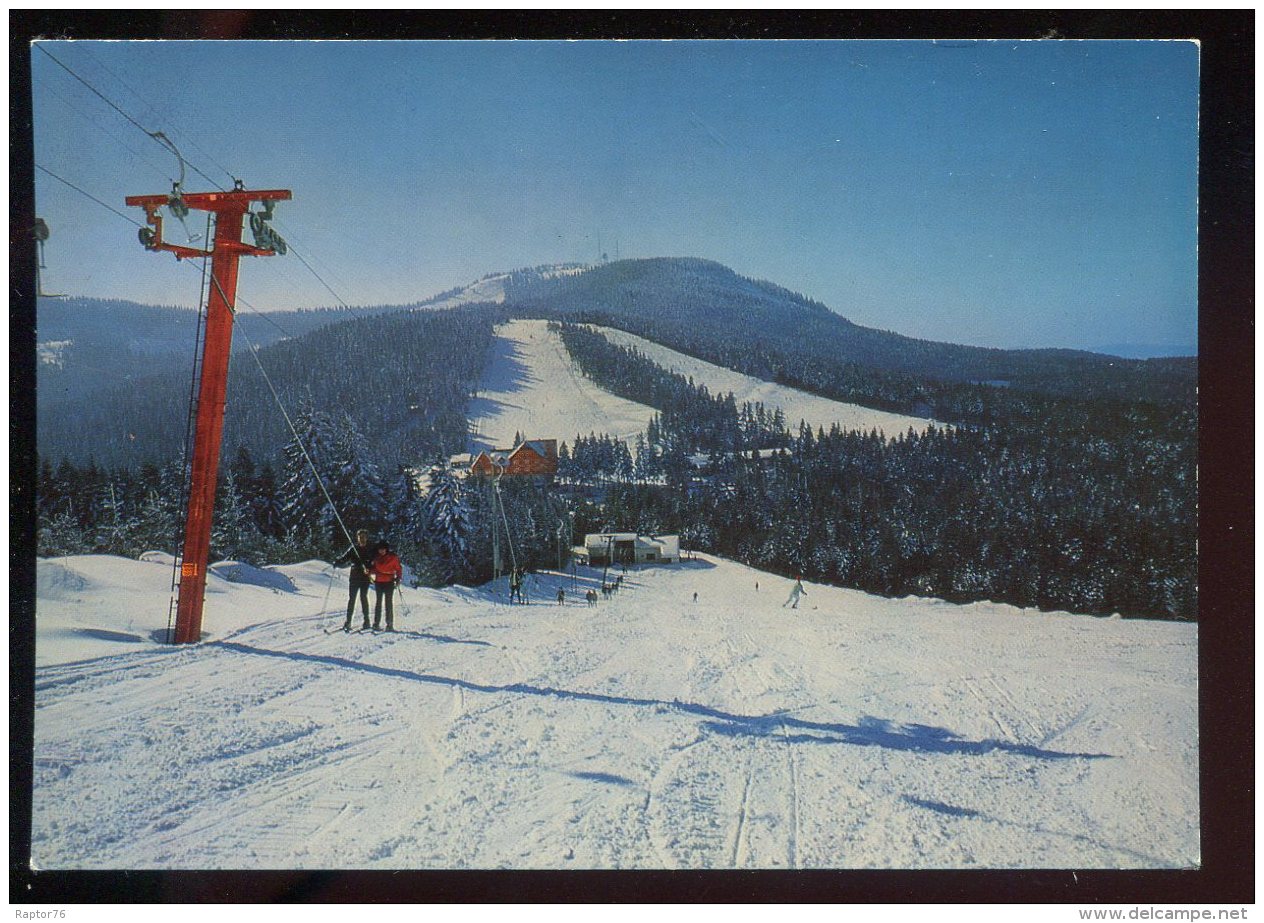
265	504
48	490
355	485
448	522
624	466
160	526
304	507
406	503
115	527
232	533
60	534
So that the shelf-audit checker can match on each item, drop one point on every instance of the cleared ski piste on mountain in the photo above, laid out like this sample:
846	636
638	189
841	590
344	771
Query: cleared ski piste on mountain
531	386
651	731
817	412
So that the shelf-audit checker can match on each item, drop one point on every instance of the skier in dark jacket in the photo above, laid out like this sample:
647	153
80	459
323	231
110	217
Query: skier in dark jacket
387	573
360	557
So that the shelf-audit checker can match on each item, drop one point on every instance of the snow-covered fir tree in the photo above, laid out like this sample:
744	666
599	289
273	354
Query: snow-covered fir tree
59	533
116	525
448	521
231	531
303	504
354	483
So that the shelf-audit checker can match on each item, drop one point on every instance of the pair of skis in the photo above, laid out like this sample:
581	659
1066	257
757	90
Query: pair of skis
357	631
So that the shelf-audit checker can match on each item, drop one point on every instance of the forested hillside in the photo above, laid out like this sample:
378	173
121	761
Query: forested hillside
405	377
90	350
1057	511
367	396
706	310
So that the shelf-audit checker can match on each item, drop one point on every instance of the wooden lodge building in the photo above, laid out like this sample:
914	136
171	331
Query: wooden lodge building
532	458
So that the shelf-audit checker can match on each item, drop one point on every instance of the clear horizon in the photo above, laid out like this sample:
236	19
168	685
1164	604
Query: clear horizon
1009	194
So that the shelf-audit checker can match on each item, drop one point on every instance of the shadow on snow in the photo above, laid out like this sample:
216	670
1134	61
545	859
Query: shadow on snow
607	778
442	639
868	732
940	807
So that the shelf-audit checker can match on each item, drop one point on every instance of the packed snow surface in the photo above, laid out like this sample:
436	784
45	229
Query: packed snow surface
817	412
652	730
533	387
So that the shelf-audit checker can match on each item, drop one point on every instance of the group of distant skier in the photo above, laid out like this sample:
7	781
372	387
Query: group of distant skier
378	566
375	566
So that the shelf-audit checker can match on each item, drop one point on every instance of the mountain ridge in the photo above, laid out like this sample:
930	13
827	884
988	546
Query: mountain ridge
692	300
610	285
95	354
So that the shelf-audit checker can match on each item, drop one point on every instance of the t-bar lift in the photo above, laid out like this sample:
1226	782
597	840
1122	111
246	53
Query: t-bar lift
229	208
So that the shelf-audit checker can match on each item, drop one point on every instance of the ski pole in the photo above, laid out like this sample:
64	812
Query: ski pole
402	605
324	605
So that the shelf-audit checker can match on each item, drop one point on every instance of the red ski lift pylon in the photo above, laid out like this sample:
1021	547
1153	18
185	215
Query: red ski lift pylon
230	208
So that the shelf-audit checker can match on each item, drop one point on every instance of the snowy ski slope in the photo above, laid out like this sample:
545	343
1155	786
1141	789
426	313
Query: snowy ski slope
651	731
531	386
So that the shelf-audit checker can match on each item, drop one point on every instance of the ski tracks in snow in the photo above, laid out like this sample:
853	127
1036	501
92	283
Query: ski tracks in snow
729	797
651	732
723	803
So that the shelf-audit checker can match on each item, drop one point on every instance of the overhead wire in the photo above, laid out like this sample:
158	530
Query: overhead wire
150	107
113	129
84	192
290	423
165	142
262	315
327	286
249	342
119	109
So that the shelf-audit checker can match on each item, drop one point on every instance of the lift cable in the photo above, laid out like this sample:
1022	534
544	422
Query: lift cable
165	142
290	423
341	300
154	109
111	128
113	105
89	195
202	289
262	315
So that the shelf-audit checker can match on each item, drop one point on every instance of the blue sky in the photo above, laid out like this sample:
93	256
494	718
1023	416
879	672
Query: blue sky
992	193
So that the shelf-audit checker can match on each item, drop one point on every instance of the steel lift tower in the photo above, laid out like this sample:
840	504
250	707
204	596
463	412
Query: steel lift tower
230	209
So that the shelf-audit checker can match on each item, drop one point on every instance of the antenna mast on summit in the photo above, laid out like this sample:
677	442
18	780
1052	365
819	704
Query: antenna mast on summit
226	249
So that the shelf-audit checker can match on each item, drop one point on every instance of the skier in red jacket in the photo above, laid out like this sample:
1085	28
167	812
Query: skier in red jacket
387	573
